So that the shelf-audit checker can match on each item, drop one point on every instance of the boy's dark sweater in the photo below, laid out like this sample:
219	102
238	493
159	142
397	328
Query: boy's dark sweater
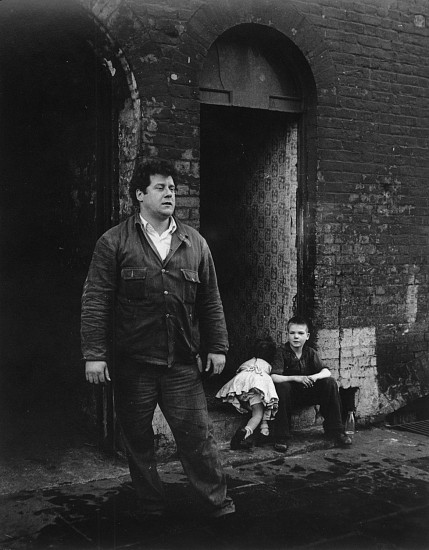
287	363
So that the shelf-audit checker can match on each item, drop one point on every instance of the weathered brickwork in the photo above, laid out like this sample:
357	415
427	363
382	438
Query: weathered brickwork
372	215
365	233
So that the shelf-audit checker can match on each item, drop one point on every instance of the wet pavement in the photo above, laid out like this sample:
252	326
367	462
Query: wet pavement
374	495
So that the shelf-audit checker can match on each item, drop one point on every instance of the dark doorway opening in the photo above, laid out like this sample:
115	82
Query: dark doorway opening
56	198
248	216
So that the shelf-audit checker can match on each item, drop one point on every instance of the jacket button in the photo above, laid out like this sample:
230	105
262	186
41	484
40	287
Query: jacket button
165	291
162	270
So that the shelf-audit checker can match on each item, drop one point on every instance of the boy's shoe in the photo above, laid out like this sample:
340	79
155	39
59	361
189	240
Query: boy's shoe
281	444
343	440
240	441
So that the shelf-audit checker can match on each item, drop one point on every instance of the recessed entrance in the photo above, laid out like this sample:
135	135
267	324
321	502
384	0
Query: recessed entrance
248	215
251	106
57	194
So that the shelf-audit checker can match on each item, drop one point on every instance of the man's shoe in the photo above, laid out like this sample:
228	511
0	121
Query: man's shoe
227	508
240	441
144	517
281	445
343	440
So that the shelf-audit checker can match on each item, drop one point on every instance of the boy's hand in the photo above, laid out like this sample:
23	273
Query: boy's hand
306	381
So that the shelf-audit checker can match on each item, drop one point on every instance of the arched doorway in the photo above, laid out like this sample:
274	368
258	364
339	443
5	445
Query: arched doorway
252	105
59	191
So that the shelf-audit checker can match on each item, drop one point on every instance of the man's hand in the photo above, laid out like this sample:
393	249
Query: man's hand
217	360
97	372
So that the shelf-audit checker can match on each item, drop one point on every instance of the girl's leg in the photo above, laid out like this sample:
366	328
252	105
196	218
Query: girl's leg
241	438
264	428
255	419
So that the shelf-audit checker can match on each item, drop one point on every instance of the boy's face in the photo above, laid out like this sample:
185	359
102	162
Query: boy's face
297	335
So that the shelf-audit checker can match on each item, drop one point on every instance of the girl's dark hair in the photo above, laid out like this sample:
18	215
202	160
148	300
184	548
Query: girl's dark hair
143	172
265	348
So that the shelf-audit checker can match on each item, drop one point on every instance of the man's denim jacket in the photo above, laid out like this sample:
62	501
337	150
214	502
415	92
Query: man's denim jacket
156	309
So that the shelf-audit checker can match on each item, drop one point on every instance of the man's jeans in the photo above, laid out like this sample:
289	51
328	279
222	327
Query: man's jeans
293	394
180	394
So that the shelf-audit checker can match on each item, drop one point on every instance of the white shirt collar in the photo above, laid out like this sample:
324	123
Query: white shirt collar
172	226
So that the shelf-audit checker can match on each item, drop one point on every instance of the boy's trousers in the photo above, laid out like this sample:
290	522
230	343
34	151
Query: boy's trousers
293	395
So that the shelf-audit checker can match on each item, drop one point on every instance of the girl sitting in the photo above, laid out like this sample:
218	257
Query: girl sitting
252	389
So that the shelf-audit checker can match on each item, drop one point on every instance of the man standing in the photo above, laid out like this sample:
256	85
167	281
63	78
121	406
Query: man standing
155	277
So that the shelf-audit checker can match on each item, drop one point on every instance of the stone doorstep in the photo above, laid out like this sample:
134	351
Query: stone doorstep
225	422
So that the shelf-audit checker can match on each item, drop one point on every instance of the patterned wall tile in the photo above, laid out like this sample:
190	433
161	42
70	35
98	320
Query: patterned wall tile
267	226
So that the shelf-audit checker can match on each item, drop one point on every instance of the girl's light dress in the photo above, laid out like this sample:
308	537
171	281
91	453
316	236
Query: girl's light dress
252	384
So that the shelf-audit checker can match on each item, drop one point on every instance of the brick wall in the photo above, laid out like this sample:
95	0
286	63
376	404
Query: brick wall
372	202
366	228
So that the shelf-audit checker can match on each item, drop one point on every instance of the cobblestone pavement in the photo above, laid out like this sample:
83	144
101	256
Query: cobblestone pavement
372	496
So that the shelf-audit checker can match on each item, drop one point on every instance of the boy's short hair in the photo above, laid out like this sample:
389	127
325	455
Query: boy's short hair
265	349
298	320
143	172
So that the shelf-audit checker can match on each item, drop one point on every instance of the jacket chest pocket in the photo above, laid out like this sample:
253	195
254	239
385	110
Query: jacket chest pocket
134	281
191	282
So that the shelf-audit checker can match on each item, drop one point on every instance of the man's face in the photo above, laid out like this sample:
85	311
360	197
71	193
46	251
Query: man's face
297	335
159	200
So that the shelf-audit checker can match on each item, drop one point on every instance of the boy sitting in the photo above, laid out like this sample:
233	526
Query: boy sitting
301	379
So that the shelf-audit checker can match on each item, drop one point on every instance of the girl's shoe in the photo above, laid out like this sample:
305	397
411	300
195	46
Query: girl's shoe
238	440
262	439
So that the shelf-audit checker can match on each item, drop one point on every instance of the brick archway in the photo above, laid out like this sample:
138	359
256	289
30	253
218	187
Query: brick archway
212	20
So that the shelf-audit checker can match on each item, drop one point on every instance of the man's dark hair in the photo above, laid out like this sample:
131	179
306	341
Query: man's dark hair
143	172
298	320
265	349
